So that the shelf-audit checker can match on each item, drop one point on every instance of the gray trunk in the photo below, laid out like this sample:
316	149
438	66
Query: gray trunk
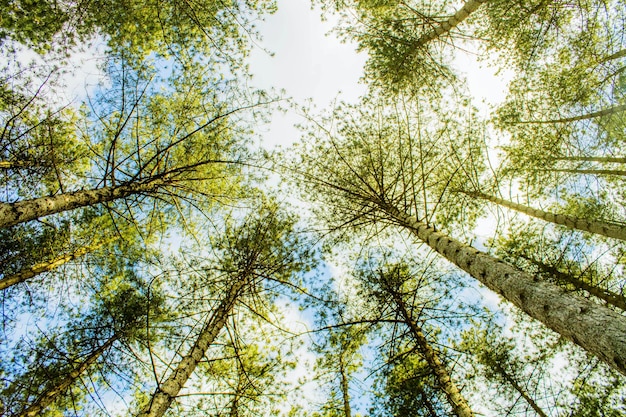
23	211
444	27
593	115
597	329
169	389
607	229
453	394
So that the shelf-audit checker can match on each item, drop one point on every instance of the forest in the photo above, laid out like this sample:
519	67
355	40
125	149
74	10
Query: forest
412	254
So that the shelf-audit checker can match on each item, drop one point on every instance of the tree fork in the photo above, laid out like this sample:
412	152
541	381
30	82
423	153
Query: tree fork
597	329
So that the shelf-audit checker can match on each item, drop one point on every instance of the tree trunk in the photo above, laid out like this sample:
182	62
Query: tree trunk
23	211
616	55
444	27
593	115
608	159
617	172
455	399
344	388
607	296
169	389
508	378
595	328
42	267
611	230
53	393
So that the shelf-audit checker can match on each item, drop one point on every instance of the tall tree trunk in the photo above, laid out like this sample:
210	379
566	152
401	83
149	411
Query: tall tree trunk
42	267
444	27
593	115
617	172
619	54
607	229
453	394
595	328
608	159
169	389
49	396
508	378
607	296
23	211
345	386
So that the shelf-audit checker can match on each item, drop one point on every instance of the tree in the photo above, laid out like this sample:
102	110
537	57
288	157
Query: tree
173	29
363	178
263	248
396	284
141	140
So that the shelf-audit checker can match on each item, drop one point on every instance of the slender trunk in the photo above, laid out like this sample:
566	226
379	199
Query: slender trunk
344	388
444	27
28	273
617	172
593	115
619	54
23	211
234	406
508	378
53	393
595	328
607	296
607	229
15	164
453	394
619	160
169	389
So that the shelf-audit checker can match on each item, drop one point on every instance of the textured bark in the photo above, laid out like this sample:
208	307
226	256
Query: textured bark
444	27
604	112
608	159
344	388
597	329
23	211
40	268
48	397
453	394
508	378
607	296
597	227
169	389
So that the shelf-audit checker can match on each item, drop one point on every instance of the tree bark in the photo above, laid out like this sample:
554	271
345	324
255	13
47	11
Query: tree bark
344	388
23	211
52	394
169	389
619	54
593	115
40	268
444	27
607	229
607	296
453	394
608	159
617	172
597	329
